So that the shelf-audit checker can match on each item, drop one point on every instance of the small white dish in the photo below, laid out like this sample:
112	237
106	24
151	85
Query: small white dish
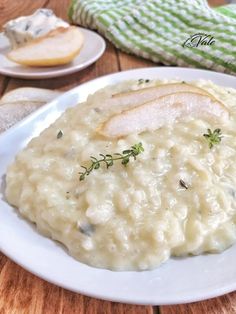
93	48
179	280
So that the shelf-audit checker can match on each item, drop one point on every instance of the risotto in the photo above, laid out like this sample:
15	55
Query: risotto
177	198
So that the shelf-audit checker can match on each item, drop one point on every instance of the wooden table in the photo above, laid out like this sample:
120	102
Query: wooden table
24	293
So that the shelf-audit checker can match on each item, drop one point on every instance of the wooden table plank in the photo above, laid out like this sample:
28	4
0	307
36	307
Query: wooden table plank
215	3
22	292
221	305
3	260
60	8
10	9
128	62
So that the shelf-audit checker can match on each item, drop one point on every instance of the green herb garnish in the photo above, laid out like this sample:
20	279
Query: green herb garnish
59	134
214	137
108	159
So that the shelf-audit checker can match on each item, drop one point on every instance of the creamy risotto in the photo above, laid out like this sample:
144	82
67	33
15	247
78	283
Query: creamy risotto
177	198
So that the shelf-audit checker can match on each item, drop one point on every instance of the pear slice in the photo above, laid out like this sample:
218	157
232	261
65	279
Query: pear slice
58	47
137	97
162	111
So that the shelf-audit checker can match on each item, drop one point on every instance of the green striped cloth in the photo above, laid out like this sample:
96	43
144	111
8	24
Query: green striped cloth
164	31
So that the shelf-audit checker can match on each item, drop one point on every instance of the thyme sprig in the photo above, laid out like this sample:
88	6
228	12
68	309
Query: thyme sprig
109	159
214	137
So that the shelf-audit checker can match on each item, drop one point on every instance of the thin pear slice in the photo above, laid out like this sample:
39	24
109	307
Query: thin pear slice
137	97
29	94
162	111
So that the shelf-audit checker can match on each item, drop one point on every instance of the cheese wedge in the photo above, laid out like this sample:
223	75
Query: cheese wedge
162	111
137	97
58	47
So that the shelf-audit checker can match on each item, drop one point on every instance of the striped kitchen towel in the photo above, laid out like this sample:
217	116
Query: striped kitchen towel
172	32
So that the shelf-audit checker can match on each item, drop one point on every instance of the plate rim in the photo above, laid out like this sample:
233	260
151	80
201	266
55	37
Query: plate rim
58	72
108	78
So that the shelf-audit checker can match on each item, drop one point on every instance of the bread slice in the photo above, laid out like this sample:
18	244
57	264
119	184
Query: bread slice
18	103
12	113
58	47
29	94
162	111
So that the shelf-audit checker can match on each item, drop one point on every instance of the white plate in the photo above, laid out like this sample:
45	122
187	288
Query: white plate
94	46
177	281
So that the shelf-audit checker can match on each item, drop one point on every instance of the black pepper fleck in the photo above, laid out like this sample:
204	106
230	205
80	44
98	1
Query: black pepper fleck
183	184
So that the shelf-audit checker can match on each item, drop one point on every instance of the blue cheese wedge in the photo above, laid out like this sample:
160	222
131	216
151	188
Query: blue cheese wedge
26	28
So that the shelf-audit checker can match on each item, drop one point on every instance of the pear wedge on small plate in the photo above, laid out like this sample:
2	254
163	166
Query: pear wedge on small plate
58	47
162	111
